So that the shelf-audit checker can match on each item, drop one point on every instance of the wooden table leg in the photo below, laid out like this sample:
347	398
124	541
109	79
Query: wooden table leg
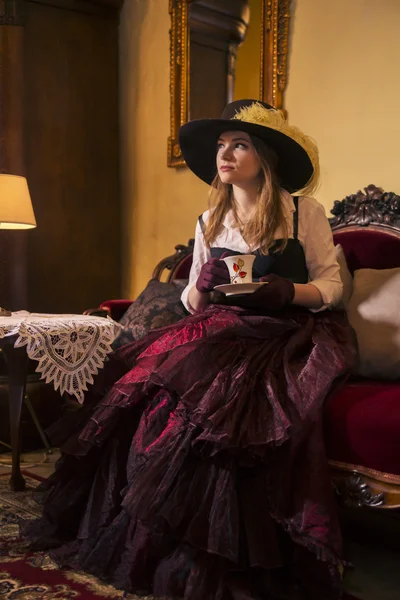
17	365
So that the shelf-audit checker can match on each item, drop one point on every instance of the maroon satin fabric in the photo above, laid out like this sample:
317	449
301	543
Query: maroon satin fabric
202	473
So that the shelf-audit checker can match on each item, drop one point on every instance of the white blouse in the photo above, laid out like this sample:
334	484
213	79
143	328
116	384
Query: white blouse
314	234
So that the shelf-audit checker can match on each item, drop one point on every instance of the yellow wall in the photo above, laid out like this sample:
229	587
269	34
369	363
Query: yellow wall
343	90
161	204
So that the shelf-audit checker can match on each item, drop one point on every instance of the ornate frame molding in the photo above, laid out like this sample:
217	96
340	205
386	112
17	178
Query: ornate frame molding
274	44
274	47
178	77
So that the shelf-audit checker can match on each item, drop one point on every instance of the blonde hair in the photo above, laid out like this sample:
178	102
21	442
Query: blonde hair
259	231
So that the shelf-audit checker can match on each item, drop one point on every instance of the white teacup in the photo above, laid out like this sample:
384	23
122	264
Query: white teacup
240	268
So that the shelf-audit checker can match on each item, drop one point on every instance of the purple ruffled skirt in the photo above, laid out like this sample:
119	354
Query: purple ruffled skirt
197	468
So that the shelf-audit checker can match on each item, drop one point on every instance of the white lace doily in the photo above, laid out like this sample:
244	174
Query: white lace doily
70	349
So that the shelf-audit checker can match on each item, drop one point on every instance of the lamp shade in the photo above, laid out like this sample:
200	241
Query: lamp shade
16	211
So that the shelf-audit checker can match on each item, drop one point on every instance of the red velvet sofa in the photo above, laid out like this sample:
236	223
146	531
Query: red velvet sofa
362	418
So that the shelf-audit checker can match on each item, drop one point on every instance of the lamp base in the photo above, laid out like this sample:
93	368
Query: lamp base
4	312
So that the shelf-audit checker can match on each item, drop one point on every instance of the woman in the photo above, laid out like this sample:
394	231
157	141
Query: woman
201	472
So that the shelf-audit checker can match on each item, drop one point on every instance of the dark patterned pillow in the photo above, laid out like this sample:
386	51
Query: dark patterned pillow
157	306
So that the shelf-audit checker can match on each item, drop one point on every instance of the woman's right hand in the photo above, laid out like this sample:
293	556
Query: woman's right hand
213	272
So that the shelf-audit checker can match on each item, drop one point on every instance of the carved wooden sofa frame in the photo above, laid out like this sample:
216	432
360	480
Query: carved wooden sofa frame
357	486
370	211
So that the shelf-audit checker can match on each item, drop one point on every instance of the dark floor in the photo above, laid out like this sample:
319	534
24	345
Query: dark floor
376	572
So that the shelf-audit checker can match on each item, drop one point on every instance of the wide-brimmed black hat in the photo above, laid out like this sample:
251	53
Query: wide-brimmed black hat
298	165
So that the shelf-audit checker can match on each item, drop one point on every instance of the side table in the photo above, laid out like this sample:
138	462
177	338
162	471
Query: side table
69	349
17	359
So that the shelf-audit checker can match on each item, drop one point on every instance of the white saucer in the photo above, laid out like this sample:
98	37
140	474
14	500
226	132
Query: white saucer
234	289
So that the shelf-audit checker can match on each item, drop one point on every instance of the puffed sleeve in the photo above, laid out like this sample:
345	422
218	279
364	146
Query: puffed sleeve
323	268
201	254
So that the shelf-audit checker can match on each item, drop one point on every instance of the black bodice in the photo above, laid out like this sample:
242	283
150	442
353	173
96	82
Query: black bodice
289	263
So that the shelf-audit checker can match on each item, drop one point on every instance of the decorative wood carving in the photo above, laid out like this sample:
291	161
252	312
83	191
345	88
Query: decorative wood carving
171	262
371	207
354	492
275	19
358	486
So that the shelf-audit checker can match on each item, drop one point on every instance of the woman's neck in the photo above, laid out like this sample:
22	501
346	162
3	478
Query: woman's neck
245	200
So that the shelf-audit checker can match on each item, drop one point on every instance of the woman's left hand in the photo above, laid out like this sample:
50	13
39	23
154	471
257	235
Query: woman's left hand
276	294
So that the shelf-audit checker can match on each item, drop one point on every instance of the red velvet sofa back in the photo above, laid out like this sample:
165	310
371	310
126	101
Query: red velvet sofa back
183	268
369	248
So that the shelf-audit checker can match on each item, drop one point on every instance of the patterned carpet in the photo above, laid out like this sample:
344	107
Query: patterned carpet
34	576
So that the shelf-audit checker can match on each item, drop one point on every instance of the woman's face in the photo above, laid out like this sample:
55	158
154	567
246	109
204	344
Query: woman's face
237	159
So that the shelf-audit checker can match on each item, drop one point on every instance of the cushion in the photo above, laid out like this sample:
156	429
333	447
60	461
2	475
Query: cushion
345	276
374	313
362	424
157	306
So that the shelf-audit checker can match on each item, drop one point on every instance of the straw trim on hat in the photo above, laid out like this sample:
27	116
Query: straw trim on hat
298	164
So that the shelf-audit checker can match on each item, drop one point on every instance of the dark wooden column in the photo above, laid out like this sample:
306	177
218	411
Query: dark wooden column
72	150
216	28
13	276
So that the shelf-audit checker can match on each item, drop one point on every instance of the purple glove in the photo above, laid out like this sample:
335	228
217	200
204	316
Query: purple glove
276	294
213	272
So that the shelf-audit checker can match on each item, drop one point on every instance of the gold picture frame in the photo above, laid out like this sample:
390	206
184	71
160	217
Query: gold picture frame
178	77
274	44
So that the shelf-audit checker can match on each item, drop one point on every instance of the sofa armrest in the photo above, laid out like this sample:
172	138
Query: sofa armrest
110	308
97	312
116	308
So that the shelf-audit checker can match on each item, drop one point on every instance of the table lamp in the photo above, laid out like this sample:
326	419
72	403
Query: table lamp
16	211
